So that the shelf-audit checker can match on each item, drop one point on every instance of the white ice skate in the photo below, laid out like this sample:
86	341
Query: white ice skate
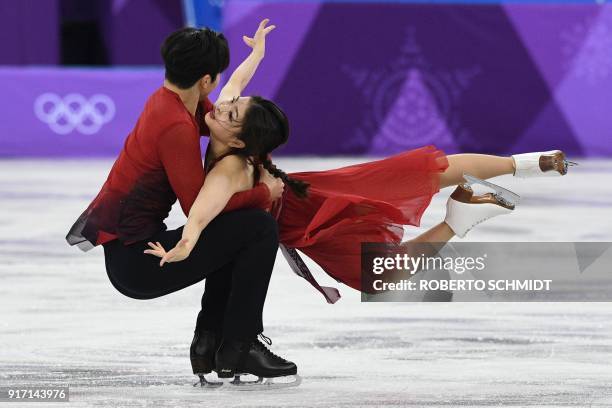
464	210
548	164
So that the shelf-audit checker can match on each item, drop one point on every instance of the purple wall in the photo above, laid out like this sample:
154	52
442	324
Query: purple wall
467	78
480	78
134	29
30	32
49	112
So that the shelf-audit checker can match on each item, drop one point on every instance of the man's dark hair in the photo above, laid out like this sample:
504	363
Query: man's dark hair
191	53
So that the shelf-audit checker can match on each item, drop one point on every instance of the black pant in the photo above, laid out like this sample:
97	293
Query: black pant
235	253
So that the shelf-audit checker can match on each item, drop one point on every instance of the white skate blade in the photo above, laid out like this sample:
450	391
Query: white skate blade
208	383
506	195
262	383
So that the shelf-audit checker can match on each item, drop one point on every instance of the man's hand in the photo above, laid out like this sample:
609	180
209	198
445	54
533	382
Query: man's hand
275	185
258	41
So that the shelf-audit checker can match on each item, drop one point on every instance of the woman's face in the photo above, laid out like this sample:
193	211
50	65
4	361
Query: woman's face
225	120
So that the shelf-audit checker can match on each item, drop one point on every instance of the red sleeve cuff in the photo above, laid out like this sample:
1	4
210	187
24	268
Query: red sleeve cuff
261	195
257	197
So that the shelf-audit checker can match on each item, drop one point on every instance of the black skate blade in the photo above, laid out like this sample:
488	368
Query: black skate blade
204	383
264	383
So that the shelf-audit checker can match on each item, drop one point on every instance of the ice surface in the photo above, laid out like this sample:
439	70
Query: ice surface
61	321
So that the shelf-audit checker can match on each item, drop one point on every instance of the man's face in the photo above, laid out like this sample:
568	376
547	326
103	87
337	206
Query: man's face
206	86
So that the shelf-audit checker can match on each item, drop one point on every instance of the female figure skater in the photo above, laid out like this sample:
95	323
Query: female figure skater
327	214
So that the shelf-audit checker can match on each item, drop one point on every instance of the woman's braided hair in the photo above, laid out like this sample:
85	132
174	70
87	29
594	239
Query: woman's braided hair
264	128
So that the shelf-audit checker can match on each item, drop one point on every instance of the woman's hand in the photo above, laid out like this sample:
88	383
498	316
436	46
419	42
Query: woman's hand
258	41
180	252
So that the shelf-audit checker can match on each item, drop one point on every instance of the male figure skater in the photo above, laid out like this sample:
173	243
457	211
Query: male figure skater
160	162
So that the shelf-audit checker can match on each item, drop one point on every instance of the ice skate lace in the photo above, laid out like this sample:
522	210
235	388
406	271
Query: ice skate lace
264	349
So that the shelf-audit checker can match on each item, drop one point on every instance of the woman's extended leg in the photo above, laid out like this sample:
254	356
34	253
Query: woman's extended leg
464	209
483	166
480	165
439	233
436	236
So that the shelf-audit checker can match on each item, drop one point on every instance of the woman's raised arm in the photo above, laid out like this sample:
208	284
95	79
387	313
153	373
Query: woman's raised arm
245	71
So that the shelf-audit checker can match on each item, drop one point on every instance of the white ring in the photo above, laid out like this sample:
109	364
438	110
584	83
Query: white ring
74	111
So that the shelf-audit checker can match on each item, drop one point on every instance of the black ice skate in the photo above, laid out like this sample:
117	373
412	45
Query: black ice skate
236	358
202	353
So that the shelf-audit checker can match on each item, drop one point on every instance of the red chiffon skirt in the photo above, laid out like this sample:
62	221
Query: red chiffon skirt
367	202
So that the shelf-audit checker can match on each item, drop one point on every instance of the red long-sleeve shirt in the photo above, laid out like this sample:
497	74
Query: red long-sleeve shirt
160	162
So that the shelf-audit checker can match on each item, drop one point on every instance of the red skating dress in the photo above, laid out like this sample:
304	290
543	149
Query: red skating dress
366	202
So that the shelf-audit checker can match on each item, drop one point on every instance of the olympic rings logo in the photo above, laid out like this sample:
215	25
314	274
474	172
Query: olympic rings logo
74	111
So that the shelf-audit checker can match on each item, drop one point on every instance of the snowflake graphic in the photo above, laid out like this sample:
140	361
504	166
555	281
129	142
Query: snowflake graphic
411	102
588	50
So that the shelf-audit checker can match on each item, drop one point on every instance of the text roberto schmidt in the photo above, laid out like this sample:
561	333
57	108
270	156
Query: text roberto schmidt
410	265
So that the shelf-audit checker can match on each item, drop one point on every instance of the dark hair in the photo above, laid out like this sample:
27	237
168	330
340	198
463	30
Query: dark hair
264	128
191	53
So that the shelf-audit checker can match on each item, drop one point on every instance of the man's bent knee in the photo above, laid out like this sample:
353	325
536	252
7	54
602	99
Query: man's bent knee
263	223
255	221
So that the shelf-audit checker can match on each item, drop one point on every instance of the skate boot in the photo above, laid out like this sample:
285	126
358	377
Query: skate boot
236	358
464	210
551	163
202	353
